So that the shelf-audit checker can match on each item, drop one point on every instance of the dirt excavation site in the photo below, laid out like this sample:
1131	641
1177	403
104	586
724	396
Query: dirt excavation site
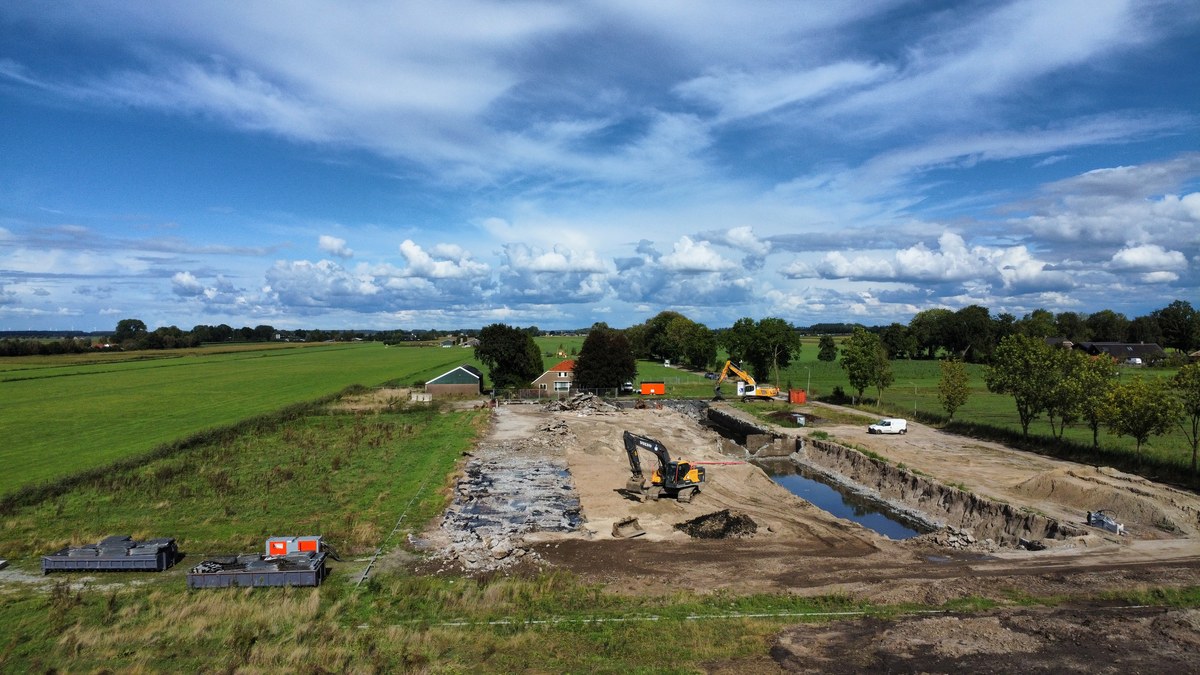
546	487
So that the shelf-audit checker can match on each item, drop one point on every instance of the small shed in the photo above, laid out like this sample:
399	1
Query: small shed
464	380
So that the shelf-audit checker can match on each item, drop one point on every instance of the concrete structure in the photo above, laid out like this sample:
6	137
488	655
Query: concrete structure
464	380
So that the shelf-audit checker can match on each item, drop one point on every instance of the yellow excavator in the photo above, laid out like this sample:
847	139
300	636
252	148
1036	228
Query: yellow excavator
673	478
748	389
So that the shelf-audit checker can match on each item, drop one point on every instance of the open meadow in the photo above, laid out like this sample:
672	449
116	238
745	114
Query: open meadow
62	417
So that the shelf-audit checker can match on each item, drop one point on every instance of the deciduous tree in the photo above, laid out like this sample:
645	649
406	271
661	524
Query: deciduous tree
510	354
1021	368
865	361
763	346
1107	326
1097	376
129	329
1064	398
954	386
1141	408
1179	323
826	349
605	359
1187	387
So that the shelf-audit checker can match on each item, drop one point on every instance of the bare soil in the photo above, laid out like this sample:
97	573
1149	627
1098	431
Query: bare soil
799	549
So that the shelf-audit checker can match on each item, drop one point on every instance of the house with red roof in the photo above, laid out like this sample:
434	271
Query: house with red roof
558	379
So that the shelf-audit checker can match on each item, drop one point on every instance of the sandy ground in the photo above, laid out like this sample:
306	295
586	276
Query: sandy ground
793	534
800	549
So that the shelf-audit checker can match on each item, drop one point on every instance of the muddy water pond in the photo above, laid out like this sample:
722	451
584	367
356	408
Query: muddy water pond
866	512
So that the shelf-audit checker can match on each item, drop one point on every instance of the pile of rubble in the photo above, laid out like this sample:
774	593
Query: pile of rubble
583	404
960	540
719	525
497	501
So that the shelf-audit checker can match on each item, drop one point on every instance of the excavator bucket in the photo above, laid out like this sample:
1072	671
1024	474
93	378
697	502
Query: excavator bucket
627	528
636	487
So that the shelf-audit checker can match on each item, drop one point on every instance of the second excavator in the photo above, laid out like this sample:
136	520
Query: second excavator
747	388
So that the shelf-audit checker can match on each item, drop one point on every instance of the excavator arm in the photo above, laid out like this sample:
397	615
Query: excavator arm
732	368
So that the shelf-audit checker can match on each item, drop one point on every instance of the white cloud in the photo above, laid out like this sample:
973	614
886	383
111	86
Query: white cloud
334	246
690	257
451	262
1148	258
186	284
559	260
745	94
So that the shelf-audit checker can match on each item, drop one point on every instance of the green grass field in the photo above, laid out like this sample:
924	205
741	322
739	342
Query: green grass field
61	419
63	415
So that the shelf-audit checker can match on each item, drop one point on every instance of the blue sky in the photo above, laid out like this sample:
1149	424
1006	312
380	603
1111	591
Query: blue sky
380	165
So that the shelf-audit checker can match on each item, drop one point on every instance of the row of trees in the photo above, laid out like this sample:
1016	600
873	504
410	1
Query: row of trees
1068	387
972	333
606	359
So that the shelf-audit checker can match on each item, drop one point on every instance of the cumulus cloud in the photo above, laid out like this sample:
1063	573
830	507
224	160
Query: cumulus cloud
691	257
1013	268
560	259
186	284
446	262
1150	258
1113	206
334	246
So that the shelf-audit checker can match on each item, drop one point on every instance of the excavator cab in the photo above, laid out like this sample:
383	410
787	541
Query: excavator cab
679	480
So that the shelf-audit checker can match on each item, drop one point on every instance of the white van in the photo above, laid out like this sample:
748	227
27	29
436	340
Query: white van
889	425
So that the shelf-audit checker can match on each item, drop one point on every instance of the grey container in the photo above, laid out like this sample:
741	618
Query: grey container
114	554
293	571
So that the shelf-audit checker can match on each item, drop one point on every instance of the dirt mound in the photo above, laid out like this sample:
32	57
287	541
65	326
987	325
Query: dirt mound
1094	490
719	525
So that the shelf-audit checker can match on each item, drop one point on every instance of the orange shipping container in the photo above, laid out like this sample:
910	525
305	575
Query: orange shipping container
797	396
654	388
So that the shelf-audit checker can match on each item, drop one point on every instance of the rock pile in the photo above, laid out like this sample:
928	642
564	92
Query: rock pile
961	540
719	525
583	404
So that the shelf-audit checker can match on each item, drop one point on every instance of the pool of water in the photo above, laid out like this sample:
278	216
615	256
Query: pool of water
867	513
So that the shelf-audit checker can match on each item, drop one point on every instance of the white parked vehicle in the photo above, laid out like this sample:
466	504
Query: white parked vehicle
889	426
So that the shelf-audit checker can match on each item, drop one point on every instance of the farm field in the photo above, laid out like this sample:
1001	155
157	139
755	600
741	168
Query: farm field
71	413
61	419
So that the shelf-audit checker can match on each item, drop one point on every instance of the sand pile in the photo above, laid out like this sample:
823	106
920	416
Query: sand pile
1087	489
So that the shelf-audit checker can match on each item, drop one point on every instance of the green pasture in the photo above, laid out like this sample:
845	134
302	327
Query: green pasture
915	390
62	419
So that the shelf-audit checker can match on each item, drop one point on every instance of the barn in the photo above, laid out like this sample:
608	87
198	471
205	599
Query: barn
464	380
